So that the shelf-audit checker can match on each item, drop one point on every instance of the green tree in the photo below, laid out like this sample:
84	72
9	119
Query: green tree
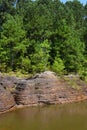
40	57
13	42
58	66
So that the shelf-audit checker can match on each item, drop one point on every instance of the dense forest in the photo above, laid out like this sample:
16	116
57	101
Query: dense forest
43	35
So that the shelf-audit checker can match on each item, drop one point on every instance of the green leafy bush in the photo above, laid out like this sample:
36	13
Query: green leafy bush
58	66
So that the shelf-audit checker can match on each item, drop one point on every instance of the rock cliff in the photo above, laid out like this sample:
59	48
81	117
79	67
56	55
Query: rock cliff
6	100
43	88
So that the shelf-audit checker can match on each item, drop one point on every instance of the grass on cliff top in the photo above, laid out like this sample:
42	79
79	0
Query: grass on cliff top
17	74
74	81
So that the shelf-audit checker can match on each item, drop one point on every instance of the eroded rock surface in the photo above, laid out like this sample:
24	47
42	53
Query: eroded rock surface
44	88
6	100
47	88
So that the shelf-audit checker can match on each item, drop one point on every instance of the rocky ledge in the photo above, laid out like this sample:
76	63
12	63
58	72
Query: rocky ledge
44	88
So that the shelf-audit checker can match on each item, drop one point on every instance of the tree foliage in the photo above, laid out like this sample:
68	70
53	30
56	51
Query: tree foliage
43	34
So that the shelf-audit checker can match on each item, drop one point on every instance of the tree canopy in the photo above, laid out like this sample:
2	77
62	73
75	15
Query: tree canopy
43	35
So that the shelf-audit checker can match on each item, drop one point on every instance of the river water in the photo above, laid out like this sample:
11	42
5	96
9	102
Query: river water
59	117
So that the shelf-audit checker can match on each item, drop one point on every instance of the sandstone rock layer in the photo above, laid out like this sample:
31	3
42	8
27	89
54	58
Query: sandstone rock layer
47	88
43	88
6	100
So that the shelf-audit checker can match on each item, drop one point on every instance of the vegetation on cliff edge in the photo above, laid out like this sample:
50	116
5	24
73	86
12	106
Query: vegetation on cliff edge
43	35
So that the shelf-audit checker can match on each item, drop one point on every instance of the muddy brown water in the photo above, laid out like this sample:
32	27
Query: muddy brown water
59	117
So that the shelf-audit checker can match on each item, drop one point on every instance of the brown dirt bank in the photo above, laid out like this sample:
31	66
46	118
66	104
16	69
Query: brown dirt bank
44	88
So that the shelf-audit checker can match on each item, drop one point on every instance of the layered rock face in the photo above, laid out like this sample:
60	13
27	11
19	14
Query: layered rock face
37	90
44	88
47	88
6	100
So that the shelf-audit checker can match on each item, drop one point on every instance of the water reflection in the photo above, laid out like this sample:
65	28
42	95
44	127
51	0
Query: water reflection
60	117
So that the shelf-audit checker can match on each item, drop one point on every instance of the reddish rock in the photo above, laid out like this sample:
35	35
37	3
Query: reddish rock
6	100
47	88
44	88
